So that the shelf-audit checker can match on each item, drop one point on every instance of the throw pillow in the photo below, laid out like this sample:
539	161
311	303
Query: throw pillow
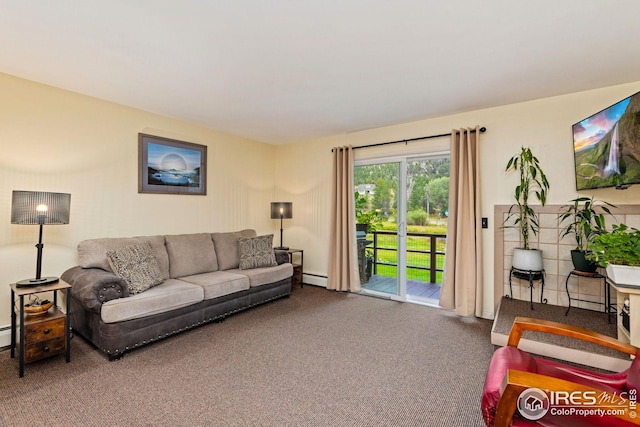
137	265
257	252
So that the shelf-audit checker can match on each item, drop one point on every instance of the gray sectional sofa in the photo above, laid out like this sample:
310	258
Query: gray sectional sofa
195	279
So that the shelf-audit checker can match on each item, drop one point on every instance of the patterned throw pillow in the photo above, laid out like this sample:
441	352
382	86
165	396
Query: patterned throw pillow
137	265
257	252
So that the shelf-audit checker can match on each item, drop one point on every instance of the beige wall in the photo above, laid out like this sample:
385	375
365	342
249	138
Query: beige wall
304	169
55	140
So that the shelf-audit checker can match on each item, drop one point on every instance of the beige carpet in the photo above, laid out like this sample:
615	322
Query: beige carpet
318	358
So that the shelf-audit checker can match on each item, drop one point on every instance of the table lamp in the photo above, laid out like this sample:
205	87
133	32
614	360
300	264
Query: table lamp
281	210
39	208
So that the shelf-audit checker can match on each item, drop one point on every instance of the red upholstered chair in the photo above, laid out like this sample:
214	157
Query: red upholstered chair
514	373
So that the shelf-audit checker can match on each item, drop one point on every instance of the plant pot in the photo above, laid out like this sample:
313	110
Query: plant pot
580	263
527	259
362	227
624	274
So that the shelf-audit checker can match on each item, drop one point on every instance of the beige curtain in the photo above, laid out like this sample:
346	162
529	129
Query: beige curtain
343	258
462	282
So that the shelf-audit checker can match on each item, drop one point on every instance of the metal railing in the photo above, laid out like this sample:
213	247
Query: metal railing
430	263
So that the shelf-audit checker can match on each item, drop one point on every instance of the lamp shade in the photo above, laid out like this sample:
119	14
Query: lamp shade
39	207
281	210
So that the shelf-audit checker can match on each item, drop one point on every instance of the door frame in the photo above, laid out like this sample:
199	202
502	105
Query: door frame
401	276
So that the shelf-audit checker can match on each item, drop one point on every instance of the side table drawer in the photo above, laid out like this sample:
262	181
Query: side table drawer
41	349
44	330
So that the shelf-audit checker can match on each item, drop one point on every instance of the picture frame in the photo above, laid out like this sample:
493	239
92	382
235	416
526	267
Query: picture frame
169	166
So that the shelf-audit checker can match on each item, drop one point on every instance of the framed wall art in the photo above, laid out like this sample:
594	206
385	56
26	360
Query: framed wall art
169	166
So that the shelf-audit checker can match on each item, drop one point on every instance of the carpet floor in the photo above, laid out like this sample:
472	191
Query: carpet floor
588	319
318	358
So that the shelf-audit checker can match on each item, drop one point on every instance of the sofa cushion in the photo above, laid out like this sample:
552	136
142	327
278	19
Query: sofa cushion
92	253
256	252
227	247
266	275
170	295
137	266
191	254
219	283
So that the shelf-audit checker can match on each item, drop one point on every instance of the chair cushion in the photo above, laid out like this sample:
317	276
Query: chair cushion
227	247
170	295
256	252
503	359
137	266
219	283
191	254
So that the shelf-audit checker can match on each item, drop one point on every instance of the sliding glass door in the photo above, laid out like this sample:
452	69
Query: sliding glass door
405	203
379	253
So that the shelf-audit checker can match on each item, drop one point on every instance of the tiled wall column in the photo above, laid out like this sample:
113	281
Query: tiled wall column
556	255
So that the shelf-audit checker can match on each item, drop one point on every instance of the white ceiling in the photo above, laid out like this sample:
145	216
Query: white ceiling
284	71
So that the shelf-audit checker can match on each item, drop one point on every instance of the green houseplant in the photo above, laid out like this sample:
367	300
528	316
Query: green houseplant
618	251
583	219
521	216
366	220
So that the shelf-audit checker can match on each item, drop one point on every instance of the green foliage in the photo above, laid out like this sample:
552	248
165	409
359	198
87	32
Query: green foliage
583	221
439	194
620	246
532	181
417	217
371	217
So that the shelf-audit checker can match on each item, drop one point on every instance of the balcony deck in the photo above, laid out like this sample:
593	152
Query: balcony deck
415	288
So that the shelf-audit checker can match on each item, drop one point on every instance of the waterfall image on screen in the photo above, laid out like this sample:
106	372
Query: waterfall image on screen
613	167
606	146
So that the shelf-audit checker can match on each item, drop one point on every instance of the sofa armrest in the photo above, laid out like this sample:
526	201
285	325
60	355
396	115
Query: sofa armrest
92	287
282	257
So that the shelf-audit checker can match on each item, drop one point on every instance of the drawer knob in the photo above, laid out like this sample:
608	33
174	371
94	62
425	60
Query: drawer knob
46	348
46	331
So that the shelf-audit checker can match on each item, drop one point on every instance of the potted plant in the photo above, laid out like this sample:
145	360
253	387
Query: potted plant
584	220
619	252
533	182
366	220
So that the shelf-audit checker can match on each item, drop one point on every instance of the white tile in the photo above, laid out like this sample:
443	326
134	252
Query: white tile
549	235
549	251
548	220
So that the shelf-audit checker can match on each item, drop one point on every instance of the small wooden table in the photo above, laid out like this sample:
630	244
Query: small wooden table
43	335
297	268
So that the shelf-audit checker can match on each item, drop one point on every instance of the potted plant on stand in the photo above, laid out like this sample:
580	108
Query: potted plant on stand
584	220
533	182
366	220
619	252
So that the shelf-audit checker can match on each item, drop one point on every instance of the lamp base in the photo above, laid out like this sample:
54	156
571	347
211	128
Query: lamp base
282	248
37	282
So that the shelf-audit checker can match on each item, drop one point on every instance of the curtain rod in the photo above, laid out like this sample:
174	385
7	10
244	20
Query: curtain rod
482	130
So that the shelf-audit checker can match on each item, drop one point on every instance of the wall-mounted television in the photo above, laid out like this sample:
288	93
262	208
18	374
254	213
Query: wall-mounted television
606	146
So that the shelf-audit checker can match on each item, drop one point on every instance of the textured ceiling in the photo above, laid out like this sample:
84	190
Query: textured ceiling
285	71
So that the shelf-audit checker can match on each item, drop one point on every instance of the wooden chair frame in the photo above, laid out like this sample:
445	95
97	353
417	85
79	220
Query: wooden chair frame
515	382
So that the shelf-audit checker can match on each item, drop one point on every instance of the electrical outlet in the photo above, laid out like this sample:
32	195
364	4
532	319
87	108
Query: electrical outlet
485	222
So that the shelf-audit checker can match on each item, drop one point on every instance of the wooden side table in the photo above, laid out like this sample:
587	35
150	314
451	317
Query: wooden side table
297	268
42	335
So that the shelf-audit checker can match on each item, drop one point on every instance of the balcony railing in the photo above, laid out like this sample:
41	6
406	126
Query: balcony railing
425	255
